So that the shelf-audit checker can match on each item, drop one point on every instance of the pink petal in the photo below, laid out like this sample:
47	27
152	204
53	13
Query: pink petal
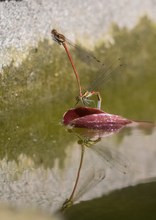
93	118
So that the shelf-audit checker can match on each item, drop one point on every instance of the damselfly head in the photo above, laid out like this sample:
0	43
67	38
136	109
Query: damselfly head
54	31
59	38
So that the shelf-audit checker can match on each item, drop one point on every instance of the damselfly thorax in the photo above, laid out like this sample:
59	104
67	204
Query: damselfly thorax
86	101
59	38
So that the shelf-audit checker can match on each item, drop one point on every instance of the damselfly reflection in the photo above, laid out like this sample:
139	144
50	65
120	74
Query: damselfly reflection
94	175
91	179
111	157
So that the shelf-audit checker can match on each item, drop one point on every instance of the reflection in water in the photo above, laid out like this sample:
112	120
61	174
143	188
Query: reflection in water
23	184
112	157
69	201
84	142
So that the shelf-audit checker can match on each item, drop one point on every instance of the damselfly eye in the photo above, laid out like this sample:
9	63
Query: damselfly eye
53	31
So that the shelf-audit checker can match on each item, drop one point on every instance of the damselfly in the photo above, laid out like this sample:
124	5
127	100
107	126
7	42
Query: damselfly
84	97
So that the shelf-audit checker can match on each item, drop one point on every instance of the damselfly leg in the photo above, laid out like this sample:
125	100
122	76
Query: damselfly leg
85	98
